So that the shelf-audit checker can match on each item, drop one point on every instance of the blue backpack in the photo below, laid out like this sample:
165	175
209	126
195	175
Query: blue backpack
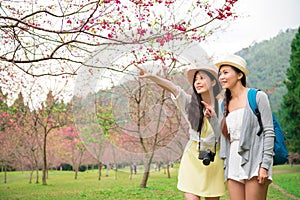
280	150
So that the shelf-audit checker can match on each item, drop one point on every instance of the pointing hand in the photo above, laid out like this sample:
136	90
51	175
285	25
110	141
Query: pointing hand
209	110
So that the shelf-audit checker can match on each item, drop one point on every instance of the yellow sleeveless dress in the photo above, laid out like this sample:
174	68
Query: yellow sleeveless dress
195	177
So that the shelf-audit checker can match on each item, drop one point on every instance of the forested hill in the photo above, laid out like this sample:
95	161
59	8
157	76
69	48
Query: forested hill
267	62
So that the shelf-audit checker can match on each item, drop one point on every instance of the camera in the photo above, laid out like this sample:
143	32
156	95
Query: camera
207	156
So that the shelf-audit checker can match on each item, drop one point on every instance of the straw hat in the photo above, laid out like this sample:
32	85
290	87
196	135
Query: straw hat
234	61
191	73
212	70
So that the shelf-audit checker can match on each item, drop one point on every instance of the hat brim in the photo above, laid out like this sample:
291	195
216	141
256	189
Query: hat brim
243	69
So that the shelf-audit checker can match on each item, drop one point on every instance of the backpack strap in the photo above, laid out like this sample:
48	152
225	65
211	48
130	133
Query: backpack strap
222	106
253	104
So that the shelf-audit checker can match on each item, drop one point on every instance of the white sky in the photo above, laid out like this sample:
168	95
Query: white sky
259	20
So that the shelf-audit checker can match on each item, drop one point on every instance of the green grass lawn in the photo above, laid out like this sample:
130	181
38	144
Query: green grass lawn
63	186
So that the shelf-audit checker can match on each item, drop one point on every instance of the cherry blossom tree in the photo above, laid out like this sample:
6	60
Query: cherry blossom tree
9	140
56	38
74	147
28	146
51	116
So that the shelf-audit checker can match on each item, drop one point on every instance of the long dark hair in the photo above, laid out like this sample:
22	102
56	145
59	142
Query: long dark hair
227	98
195	108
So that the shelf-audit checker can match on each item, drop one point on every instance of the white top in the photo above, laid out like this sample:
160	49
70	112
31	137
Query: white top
234	122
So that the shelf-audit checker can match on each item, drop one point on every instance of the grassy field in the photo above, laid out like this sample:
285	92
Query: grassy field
63	186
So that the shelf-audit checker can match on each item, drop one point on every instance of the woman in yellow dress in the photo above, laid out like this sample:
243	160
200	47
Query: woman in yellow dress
201	171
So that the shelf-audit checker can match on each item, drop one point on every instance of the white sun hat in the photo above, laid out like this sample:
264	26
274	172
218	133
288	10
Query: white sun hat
234	61
190	73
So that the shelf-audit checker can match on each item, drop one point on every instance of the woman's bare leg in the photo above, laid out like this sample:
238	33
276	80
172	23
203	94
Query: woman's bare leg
236	190
212	198
256	191
189	196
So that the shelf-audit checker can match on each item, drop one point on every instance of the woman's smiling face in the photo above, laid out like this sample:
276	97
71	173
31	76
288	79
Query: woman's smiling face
228	77
202	82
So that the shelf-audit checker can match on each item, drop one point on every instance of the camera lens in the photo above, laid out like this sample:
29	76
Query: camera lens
206	161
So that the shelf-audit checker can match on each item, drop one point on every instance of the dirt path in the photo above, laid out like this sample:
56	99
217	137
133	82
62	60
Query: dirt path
286	171
282	190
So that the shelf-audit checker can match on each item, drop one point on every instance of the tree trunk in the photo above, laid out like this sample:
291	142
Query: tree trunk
147	165
76	173
35	164
99	170
116	172
131	171
5	174
30	176
37	175
45	161
145	179
168	170
107	170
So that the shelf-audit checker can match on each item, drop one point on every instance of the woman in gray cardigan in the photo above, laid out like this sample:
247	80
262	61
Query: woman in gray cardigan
248	158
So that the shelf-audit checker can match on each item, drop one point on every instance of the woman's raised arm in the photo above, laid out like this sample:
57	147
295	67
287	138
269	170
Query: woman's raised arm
162	82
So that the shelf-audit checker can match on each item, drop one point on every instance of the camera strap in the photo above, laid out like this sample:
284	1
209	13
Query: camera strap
215	146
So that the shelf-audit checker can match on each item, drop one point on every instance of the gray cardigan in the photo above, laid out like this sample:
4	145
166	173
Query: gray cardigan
255	150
